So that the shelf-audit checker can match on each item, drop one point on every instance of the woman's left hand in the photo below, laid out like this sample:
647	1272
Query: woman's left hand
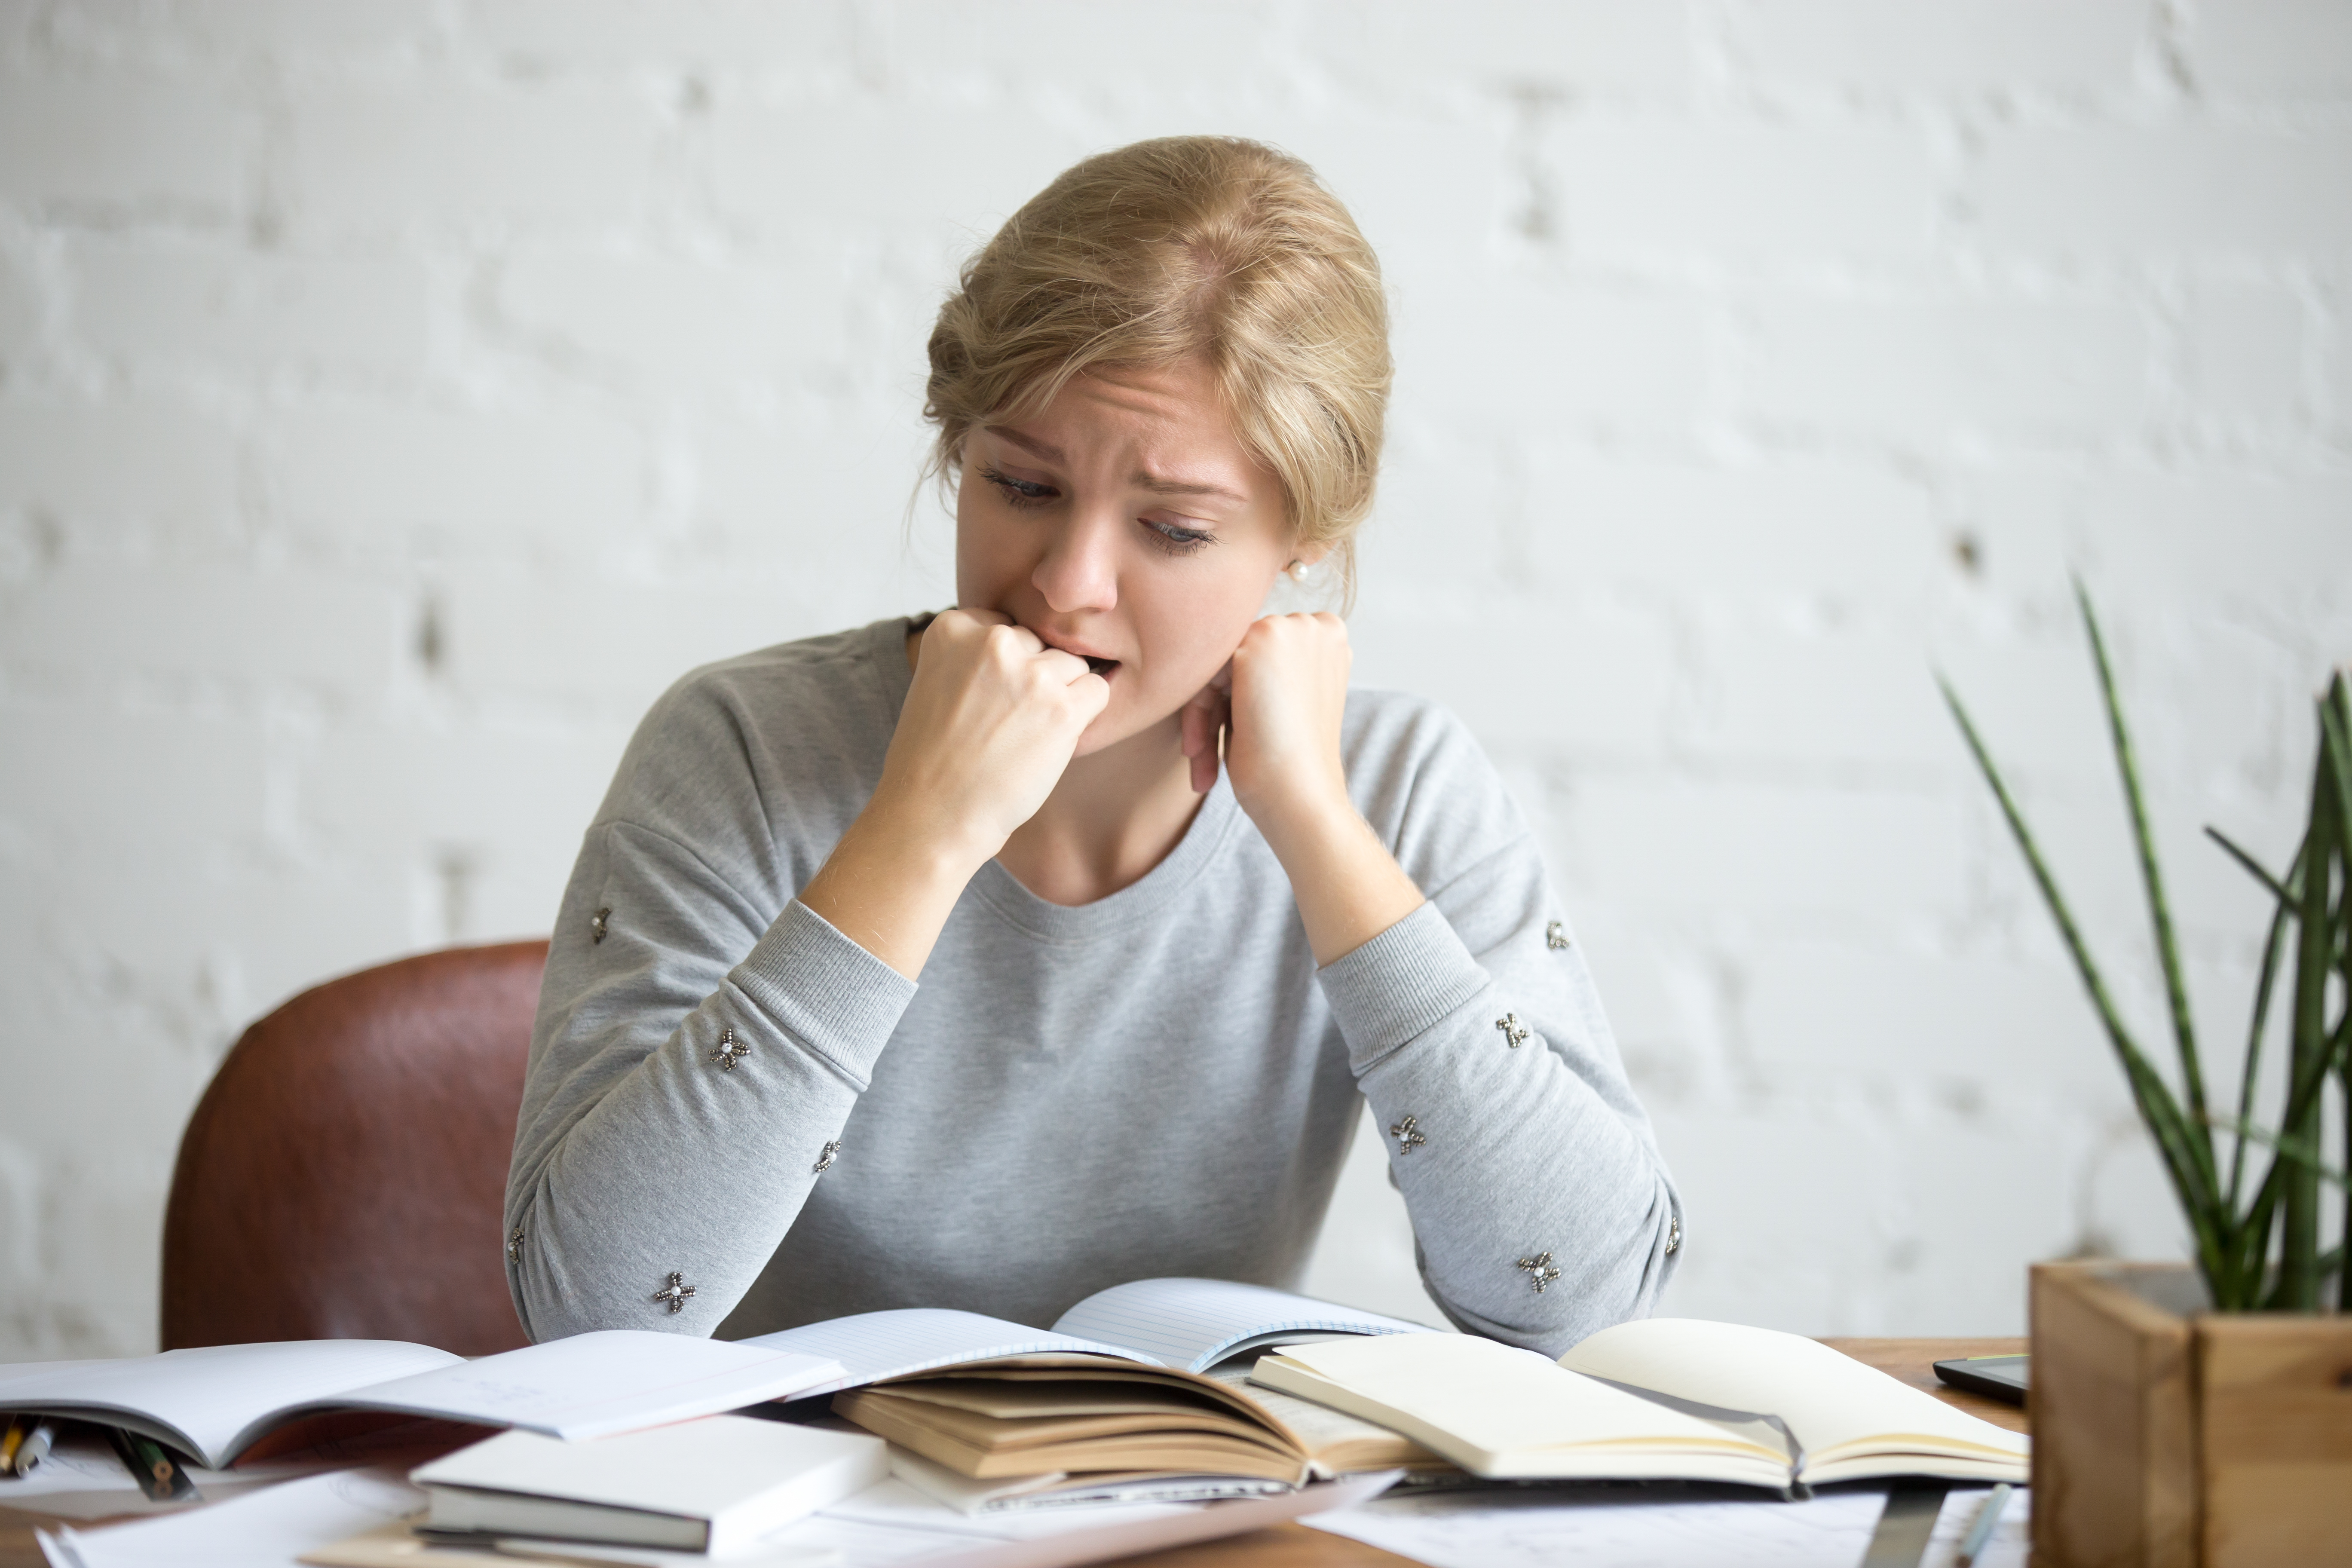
1280	703
1280	700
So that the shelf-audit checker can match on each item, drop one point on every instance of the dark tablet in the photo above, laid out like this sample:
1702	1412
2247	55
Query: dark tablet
2001	1376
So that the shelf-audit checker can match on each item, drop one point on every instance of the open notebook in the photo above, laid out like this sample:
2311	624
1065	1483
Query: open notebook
1190	1324
1662	1397
991	1400
216	1401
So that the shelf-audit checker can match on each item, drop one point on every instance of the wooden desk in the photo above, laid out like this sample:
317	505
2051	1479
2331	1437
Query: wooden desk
1296	1545
1914	1361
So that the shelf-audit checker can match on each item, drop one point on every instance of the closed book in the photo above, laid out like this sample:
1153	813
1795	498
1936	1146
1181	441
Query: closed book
713	1485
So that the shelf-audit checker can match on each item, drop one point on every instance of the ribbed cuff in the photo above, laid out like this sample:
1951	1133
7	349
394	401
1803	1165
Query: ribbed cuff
824	990
1396	985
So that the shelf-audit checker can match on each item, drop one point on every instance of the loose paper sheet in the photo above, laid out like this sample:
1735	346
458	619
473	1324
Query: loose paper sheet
1619	1528
267	1529
884	1526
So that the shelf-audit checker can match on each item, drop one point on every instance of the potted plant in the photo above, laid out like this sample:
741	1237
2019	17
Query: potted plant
2201	1413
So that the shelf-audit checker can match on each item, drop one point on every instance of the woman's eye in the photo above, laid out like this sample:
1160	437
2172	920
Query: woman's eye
1019	492
1176	540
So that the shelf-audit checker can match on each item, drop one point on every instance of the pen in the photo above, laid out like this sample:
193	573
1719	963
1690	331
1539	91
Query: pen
1980	1532
24	1445
34	1447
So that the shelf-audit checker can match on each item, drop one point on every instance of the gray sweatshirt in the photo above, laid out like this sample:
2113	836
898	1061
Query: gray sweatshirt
737	1120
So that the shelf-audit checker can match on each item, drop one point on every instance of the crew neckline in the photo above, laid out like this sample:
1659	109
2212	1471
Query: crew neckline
1002	892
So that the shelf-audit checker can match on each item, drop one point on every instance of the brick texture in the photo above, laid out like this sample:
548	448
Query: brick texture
394	398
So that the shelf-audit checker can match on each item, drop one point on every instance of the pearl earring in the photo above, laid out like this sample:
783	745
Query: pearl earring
1300	571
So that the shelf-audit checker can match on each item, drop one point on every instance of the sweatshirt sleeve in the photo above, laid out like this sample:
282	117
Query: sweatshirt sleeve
678	1108
1542	1209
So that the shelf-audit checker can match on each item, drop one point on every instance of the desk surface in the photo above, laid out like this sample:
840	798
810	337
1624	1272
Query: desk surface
1295	1546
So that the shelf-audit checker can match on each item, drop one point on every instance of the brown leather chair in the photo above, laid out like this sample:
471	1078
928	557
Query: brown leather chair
344	1175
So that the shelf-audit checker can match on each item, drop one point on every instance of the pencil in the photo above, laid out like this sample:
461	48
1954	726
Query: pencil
1980	1532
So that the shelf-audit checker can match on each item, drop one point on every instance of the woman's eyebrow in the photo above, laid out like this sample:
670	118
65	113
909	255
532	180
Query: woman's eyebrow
1160	487
1144	478
1028	443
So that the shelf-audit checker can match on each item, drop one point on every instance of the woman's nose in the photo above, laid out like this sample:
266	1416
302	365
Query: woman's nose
1080	570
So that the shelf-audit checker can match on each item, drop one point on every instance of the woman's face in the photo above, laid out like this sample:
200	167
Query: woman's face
1129	524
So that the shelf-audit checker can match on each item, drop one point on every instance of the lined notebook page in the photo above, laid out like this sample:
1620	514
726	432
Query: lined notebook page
1196	1323
871	1346
602	1382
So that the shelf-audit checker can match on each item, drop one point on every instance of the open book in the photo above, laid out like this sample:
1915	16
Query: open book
1663	1397
1188	1323
1116	1389
215	1402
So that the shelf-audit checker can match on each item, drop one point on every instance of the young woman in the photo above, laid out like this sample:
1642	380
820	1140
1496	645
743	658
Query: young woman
989	959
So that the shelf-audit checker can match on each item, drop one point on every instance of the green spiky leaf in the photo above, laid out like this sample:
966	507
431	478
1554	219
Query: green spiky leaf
2192	1178
2159	910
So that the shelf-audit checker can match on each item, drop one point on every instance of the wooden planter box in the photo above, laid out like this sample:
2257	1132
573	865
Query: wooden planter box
2169	1437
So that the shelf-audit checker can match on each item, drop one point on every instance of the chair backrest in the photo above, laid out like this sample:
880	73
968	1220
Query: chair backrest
343	1176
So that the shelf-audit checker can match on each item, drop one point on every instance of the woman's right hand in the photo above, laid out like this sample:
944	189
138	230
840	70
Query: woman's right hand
992	719
990	723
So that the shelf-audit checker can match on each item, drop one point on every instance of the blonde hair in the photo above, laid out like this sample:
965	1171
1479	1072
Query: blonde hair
1208	247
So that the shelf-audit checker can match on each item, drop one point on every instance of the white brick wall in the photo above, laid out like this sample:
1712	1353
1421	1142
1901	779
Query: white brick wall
395	394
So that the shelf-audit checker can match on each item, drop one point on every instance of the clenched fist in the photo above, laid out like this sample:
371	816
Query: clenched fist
1280	703
1281	700
992	719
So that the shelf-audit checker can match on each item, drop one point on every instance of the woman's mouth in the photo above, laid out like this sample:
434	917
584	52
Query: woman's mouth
1105	668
